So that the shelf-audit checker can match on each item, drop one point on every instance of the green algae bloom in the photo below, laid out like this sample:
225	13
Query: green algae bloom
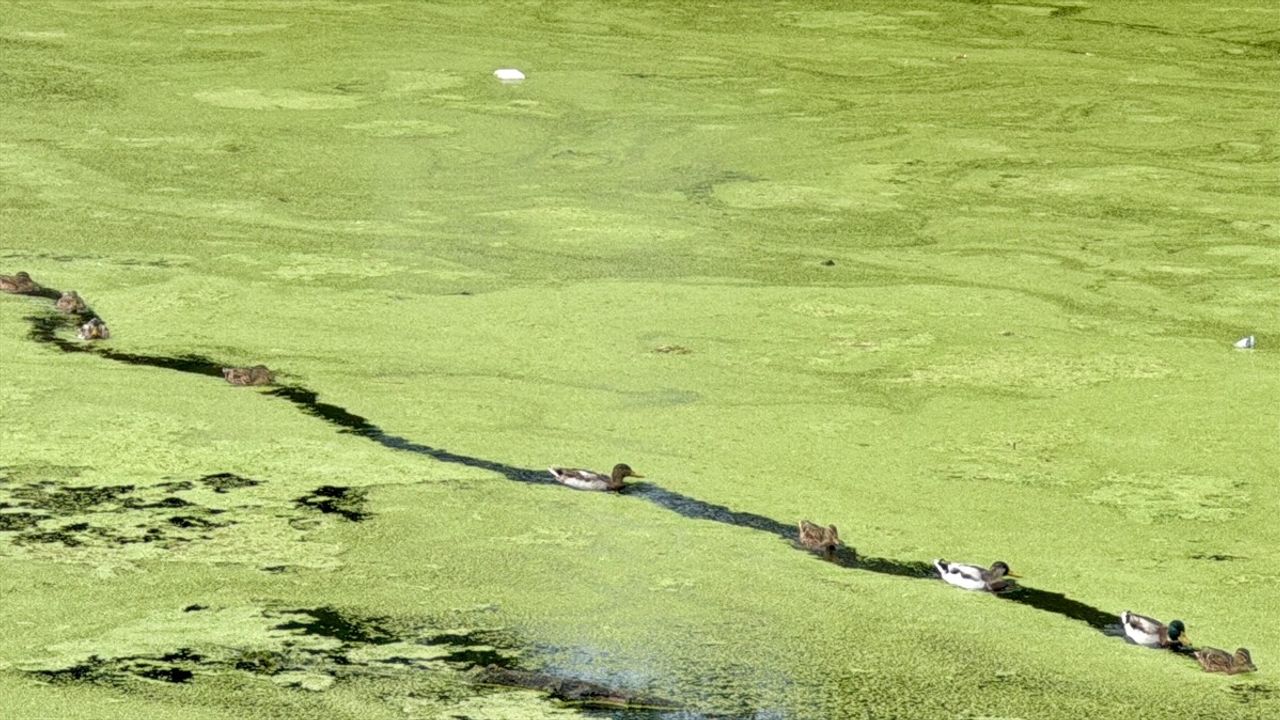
960	278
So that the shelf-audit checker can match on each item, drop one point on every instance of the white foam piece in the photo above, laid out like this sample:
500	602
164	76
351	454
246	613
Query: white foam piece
508	74
1245	343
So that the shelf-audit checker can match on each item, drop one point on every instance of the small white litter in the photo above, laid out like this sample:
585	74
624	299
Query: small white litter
508	75
1245	343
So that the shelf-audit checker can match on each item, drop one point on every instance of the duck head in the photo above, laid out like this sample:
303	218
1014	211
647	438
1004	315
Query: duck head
623	470
1177	631
1000	568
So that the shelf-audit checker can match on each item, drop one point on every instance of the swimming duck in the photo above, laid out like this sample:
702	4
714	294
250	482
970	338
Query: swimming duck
70	303
256	375
1215	660
974	577
19	283
591	480
95	329
815	537
1150	632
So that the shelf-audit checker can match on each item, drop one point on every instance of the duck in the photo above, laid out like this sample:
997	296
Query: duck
19	283
815	537
70	303
1215	660
592	480
975	577
95	329
1152	633
256	375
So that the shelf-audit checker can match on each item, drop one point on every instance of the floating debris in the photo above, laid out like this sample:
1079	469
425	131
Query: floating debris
95	329
1245	343
828	263
256	375
508	75
672	350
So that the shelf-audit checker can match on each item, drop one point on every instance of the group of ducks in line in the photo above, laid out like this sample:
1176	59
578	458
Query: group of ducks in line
1140	629
70	303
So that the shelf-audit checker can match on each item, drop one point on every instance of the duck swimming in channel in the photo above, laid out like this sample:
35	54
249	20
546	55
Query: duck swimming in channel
95	329
256	375
974	577
1149	632
19	283
1215	660
70	303
591	480
818	538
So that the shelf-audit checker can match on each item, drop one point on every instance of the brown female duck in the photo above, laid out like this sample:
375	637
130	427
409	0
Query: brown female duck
591	480
256	375
818	538
1215	660
19	283
70	303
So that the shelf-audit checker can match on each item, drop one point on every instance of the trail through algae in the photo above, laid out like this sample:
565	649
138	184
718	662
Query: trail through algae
1047	224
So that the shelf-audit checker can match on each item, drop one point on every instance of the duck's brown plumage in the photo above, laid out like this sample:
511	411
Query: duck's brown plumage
20	282
256	375
70	303
1215	660
822	539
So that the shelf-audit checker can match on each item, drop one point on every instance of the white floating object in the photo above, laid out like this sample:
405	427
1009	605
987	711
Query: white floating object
1245	343
508	74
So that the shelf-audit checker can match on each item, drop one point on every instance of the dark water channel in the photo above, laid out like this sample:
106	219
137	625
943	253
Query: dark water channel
44	330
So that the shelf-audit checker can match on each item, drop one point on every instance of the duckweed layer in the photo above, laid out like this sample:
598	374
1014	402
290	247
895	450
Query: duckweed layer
961	278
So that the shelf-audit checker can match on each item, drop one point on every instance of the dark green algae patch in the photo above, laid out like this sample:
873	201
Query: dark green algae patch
311	649
36	509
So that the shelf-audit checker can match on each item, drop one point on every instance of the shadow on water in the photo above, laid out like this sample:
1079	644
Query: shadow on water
1060	604
700	510
44	330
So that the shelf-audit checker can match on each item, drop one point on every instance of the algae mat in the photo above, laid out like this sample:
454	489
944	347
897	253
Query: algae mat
961	278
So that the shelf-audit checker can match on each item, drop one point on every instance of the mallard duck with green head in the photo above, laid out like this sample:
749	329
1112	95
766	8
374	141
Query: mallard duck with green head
1215	660
592	480
975	577
1149	632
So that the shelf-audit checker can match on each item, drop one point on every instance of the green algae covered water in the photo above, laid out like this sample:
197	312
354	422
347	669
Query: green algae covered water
961	278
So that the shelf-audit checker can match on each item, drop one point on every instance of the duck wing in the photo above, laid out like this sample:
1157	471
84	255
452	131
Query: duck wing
1142	623
577	474
1213	659
584	479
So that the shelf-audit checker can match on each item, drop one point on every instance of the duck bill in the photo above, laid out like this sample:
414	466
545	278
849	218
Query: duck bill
1012	575
637	476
